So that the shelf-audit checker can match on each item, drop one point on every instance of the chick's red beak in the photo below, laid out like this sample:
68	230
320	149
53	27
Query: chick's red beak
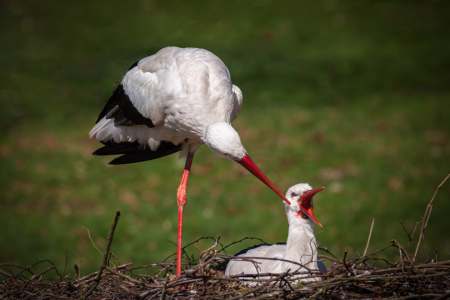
305	204
305	200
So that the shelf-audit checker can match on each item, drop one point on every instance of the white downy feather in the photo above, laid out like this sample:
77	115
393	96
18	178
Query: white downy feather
301	246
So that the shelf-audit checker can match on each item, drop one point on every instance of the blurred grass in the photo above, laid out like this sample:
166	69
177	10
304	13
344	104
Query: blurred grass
353	96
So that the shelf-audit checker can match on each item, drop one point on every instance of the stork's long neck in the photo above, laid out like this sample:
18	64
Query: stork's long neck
301	245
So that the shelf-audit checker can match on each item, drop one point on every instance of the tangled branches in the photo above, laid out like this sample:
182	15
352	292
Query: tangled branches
372	275
203	277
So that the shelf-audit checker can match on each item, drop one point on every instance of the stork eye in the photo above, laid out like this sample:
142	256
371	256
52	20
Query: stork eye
294	194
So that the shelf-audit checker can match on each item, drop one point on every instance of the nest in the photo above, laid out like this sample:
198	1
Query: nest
366	276
203	277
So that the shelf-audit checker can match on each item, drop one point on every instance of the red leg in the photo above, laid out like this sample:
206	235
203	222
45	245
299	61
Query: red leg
181	201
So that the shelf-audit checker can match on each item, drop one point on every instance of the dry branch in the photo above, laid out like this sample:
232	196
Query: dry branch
427	216
103	265
203	278
368	239
379	274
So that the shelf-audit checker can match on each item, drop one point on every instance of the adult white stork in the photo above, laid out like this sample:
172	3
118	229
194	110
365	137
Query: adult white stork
175	100
301	244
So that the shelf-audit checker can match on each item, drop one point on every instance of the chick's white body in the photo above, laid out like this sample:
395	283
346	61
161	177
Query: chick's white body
301	246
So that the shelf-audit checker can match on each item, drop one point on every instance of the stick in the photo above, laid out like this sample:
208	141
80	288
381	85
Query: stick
251	259
370	234
79	258
409	236
426	212
163	294
445	296
395	243
95	273
260	286
46	270
105	256
343	261
246	238
125	276
329	251
92	241
446	248
65	265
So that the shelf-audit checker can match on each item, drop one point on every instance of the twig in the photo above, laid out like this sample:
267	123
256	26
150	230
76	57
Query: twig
318	274
326	257
412	234
397	244
246	238
425	217
163	294
401	260
445	245
196	247
45	271
329	251
370	234
202	238
28	268
409	236
65	265
426	224
261	286
79	258
5	273
103	265
77	270
249	258
323	290
95	273
445	296
431	256
92	241
125	276
343	261
363	261
20	267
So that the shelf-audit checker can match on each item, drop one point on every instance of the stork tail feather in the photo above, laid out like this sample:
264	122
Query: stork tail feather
135	152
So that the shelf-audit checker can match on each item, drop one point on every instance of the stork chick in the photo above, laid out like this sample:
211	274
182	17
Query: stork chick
301	246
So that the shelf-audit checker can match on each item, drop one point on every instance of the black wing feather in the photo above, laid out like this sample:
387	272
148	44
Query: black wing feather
133	65
112	148
135	152
121	109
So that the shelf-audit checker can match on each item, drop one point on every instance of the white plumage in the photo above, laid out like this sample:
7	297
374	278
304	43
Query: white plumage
181	91
301	246
175	100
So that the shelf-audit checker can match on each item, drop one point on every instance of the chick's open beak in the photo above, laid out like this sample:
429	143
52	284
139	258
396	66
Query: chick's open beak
305	203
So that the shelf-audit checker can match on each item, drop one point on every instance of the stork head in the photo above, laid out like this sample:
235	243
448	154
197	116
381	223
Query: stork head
301	207
225	142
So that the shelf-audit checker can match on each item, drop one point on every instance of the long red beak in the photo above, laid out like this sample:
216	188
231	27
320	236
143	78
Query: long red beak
248	163
305	204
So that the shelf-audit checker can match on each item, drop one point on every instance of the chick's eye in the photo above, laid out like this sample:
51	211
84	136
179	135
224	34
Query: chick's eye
294	194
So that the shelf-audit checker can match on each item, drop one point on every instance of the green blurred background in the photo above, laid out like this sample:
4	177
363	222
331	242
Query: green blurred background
350	95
